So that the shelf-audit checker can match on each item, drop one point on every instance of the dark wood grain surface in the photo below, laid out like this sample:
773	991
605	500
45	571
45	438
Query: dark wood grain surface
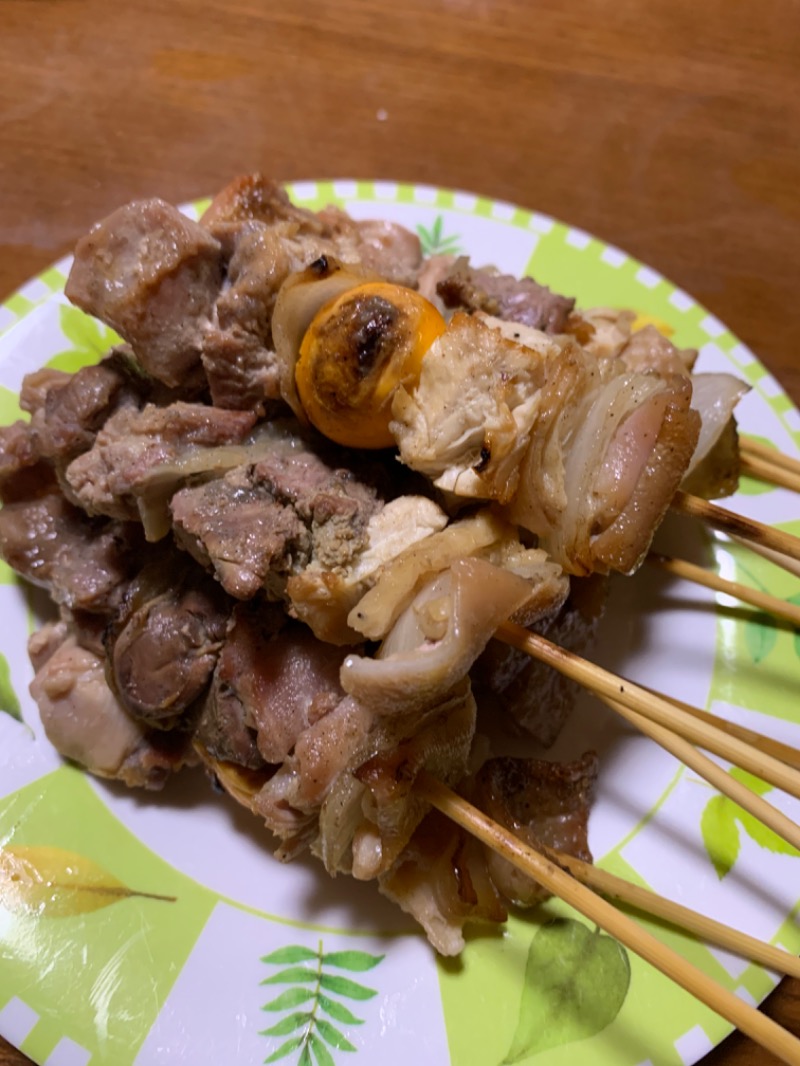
669	129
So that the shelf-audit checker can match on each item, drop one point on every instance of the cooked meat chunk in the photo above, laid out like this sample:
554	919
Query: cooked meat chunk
440	879
163	645
439	742
314	799
513	299
75	408
241	369
324	598
482	535
265	239
384	248
436	639
252	197
236	526
263	522
274	678
226	731
134	447
152	275
240	364
434	269
291	800
585	454
84	563
541	802
223	734
85	723
36	386
23	472
467	423
649	350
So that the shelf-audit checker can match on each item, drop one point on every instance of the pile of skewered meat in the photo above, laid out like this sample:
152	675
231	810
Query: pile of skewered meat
246	576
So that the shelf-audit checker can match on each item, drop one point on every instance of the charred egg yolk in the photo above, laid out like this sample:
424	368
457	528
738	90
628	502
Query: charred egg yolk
359	348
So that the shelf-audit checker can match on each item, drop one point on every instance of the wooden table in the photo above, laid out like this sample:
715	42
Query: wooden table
669	129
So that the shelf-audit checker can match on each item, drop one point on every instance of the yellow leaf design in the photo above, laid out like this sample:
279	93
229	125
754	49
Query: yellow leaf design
53	883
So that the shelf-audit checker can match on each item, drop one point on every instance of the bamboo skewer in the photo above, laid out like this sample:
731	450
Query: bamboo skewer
776	748
652	706
749	446
747	529
748	800
765	470
790	612
700	925
562	884
778	558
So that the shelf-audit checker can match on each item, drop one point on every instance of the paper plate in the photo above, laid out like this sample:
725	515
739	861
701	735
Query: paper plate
169	933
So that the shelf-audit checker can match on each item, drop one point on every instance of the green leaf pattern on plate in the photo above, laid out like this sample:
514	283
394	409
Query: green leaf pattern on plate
576	980
89	338
435	242
318	1034
760	636
9	703
720	824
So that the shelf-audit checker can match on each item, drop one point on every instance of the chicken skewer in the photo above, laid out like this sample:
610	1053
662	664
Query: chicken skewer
796	786
560	883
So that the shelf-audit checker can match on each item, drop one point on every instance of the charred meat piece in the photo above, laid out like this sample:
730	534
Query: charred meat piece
163	645
153	275
263	522
86	723
84	563
542	803
513	299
